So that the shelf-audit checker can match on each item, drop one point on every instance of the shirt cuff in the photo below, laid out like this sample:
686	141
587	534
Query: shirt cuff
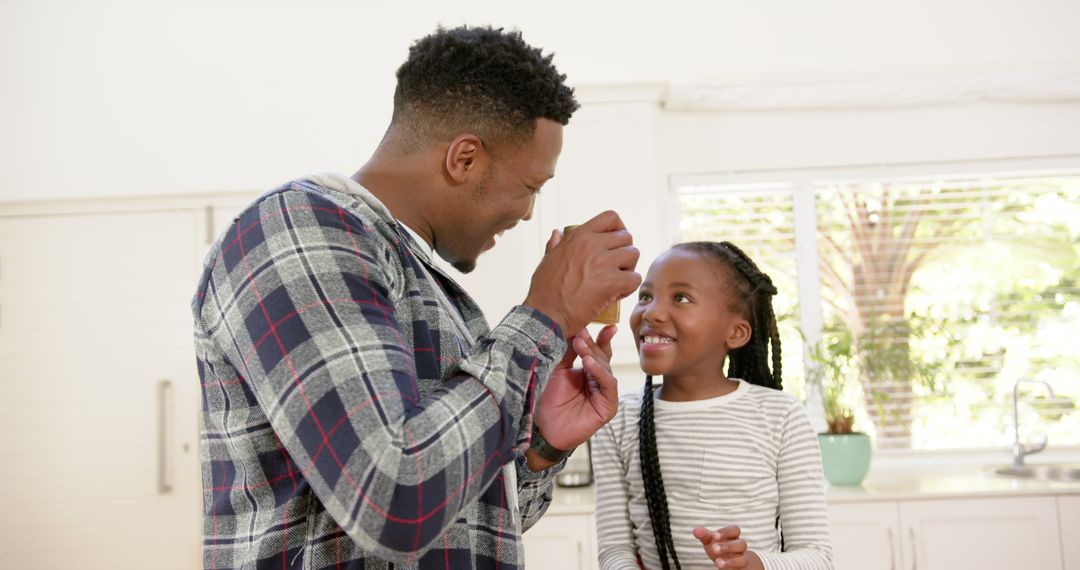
526	475
542	334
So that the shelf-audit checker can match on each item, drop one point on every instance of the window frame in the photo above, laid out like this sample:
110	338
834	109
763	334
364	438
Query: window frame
801	183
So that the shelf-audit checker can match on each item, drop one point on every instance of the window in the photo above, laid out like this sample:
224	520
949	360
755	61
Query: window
938	291
760	220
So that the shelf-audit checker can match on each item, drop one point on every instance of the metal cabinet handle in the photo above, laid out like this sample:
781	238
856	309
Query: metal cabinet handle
164	482
892	550
914	549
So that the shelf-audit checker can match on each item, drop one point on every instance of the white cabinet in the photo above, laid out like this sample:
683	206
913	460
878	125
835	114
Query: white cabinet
562	541
982	533
1069	522
866	536
946	534
99	418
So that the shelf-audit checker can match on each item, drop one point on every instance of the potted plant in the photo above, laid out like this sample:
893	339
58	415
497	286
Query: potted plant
845	453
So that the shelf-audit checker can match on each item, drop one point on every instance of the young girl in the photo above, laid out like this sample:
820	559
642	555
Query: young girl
708	470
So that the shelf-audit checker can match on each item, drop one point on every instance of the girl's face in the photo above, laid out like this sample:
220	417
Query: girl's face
683	324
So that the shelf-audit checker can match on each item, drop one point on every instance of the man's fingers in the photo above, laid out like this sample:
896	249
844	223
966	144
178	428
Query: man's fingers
556	237
605	380
629	281
603	339
626	257
569	356
585	346
616	240
607	221
581	346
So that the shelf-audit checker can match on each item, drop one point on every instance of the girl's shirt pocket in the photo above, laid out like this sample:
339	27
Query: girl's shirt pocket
736	472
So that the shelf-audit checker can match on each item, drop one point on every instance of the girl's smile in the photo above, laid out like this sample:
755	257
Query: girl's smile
683	324
650	341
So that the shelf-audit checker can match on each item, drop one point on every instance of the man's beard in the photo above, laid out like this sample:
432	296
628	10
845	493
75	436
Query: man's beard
464	266
479	193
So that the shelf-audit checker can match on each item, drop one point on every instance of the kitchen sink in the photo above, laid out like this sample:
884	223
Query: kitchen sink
1044	472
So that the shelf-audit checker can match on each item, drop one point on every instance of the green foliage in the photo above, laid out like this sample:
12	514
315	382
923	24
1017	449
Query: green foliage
832	371
983	289
849	367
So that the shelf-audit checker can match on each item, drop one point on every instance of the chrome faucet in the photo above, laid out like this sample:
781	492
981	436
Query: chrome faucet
1021	450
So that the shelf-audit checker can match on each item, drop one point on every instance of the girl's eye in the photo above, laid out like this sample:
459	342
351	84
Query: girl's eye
644	297
681	298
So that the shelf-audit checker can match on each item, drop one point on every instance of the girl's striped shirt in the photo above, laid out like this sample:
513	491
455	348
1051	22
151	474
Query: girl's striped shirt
746	458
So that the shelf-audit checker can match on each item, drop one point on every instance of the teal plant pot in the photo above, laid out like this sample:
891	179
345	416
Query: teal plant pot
845	457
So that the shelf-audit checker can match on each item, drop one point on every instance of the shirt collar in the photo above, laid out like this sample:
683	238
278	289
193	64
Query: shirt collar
344	184
423	245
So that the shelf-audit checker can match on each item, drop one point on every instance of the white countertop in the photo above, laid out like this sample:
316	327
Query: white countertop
954	481
943	483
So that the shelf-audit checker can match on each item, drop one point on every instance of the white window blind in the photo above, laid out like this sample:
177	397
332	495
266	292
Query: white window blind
953	289
760	220
937	293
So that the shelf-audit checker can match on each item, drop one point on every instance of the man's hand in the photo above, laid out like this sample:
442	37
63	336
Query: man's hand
726	549
583	272
577	401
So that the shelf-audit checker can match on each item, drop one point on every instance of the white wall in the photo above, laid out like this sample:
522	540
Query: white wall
120	97
812	139
134	97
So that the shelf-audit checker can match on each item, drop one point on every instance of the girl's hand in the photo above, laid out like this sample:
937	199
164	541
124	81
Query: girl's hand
726	549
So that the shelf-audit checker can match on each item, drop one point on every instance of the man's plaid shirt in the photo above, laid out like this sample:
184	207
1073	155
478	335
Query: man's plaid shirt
348	422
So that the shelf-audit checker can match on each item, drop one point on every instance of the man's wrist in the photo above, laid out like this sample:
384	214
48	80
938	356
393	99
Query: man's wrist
535	463
544	454
555	316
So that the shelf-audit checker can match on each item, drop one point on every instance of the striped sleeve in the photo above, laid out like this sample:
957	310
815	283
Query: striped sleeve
803	515
617	549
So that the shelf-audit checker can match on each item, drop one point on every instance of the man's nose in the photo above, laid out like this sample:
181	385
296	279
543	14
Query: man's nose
532	205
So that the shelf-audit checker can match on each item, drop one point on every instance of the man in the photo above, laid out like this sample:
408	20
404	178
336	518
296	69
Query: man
358	411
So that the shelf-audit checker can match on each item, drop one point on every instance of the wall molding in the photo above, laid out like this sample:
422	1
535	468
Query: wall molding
1031	84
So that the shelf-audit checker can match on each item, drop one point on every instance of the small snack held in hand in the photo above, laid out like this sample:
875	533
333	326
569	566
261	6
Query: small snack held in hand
610	314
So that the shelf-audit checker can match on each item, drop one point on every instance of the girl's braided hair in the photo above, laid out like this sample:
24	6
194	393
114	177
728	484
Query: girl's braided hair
752	292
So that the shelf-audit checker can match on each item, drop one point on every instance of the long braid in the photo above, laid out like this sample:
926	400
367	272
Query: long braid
762	299
774	338
655	496
751	362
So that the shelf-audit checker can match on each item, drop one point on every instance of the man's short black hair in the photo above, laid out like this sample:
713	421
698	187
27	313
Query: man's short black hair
478	80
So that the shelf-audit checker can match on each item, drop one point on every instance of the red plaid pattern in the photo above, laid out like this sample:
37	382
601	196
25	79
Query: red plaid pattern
347	422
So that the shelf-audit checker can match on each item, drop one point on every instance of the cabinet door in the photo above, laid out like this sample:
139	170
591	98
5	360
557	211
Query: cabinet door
98	421
561	541
1069	520
866	536
1005	533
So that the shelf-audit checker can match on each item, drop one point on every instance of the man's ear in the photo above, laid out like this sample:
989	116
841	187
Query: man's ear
462	156
740	334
